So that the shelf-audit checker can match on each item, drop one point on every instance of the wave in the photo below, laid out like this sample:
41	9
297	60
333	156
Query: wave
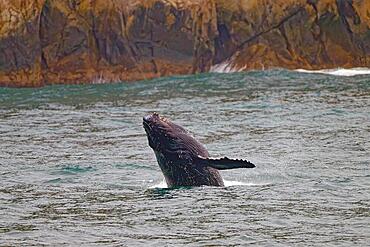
339	71
229	67
225	67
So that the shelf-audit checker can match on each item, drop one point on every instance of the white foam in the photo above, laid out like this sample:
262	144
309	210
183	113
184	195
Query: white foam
161	185
225	67
339	71
229	67
237	183
227	183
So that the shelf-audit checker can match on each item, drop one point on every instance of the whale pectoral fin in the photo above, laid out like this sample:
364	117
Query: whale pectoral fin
226	163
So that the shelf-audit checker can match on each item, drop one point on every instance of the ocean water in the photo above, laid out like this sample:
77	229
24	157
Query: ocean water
76	169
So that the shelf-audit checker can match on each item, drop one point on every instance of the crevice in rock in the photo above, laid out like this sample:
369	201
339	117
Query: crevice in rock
44	63
204	18
287	43
124	33
96	45
223	44
346	10
276	26
341	5
155	67
318	36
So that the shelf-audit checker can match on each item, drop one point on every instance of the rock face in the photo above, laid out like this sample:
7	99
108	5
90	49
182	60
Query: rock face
310	34
82	41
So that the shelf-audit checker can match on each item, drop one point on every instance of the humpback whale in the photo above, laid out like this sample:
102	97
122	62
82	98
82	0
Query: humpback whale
183	160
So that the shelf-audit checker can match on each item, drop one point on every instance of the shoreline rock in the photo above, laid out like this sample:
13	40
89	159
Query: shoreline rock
46	42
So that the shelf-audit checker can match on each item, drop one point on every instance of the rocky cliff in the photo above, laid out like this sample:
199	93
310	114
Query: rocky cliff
80	41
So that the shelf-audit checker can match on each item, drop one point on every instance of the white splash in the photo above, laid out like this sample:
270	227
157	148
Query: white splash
229	67
225	67
163	184
99	80
103	80
237	183
339	71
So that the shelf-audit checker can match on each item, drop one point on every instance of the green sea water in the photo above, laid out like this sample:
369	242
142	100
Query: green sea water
76	169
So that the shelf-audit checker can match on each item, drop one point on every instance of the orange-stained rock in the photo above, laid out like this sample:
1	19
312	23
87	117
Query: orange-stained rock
94	41
310	34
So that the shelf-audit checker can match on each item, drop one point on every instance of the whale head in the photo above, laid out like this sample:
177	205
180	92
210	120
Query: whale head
164	135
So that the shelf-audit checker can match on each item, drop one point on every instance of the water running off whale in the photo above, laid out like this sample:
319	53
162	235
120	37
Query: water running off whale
183	160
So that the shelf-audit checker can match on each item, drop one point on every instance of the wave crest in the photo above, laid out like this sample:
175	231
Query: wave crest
338	71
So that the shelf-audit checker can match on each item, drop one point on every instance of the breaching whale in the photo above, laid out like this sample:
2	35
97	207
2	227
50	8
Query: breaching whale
183	160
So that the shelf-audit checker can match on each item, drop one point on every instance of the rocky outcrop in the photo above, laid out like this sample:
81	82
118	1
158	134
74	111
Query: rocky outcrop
310	34
82	41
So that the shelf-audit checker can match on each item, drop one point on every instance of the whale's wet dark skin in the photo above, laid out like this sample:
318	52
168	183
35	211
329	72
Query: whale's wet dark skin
183	160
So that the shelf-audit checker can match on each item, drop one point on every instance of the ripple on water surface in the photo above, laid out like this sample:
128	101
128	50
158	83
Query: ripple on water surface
76	168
